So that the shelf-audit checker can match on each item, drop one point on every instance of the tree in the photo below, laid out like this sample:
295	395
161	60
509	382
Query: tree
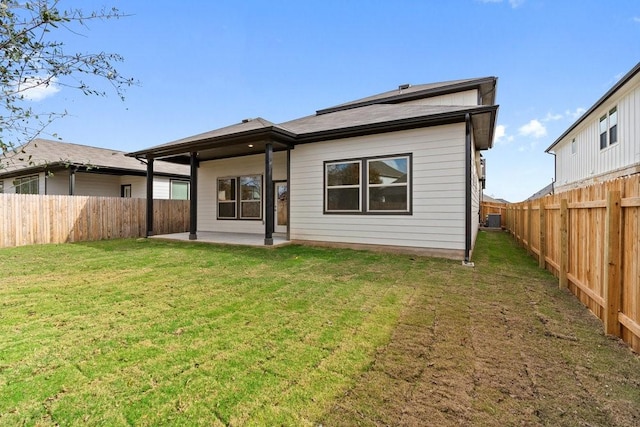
33	57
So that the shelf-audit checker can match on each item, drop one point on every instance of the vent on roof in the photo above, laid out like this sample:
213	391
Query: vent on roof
246	120
404	86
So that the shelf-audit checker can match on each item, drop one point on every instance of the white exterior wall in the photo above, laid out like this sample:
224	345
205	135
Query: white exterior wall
93	184
58	183
208	174
476	189
438	191
138	186
468	97
590	163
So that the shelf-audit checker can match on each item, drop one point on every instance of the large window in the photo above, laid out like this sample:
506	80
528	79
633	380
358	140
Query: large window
248	205
179	189
608	128
373	185
26	185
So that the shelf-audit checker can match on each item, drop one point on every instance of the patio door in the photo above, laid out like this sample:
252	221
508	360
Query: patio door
281	204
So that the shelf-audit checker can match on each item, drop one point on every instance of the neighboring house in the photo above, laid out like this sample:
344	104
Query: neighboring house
604	143
59	168
546	191
400	169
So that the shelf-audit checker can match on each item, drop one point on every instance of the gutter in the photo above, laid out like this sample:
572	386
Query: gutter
467	204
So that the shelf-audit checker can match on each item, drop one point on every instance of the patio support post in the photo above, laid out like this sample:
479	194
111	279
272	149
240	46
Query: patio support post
269	205
149	196
288	192
193	196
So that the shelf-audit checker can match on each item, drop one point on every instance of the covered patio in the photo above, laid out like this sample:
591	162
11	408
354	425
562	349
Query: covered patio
225	238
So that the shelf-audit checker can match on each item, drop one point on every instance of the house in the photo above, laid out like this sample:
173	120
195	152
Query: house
399	170
60	168
604	143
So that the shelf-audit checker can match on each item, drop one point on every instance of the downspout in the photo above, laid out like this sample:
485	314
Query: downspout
467	176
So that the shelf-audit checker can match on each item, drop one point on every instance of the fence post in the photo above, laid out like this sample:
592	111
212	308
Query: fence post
529	228
543	238
564	244
612	285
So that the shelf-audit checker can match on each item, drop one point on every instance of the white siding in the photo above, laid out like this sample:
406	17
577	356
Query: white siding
93	184
590	163
208	174
58	183
468	97
139	186
476	189
438	195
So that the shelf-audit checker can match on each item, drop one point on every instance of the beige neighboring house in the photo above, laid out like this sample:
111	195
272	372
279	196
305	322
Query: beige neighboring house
60	168
604	143
401	169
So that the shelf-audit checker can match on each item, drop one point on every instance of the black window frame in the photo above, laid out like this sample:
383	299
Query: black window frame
364	186
237	201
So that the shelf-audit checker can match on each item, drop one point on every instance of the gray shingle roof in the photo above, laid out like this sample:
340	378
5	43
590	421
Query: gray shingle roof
367	115
43	153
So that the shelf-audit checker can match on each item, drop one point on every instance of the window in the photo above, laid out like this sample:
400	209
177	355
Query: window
573	146
125	190
227	198
179	190
388	186
1	187
343	186
249	205
251	197
613	125
603	132
373	185
26	185
609	128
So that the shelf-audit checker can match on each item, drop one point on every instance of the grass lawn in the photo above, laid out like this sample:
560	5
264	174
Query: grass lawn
142	332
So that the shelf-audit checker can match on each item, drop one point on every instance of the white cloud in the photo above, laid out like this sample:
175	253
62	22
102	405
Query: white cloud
575	113
550	117
38	88
636	19
500	136
514	3
534	128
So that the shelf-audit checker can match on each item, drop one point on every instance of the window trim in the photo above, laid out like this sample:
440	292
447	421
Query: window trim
364	186
238	198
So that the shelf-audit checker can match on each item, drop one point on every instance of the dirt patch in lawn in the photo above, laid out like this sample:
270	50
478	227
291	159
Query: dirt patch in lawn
507	347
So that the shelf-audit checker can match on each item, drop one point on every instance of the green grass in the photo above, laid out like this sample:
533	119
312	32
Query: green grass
142	332
146	333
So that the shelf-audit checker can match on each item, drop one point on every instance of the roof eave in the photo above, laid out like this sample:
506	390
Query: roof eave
398	125
274	133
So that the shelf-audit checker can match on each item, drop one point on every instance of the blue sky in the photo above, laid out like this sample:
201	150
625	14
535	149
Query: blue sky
208	64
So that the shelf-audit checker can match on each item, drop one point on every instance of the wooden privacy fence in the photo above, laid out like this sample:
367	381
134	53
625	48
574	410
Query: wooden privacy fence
33	219
589	238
